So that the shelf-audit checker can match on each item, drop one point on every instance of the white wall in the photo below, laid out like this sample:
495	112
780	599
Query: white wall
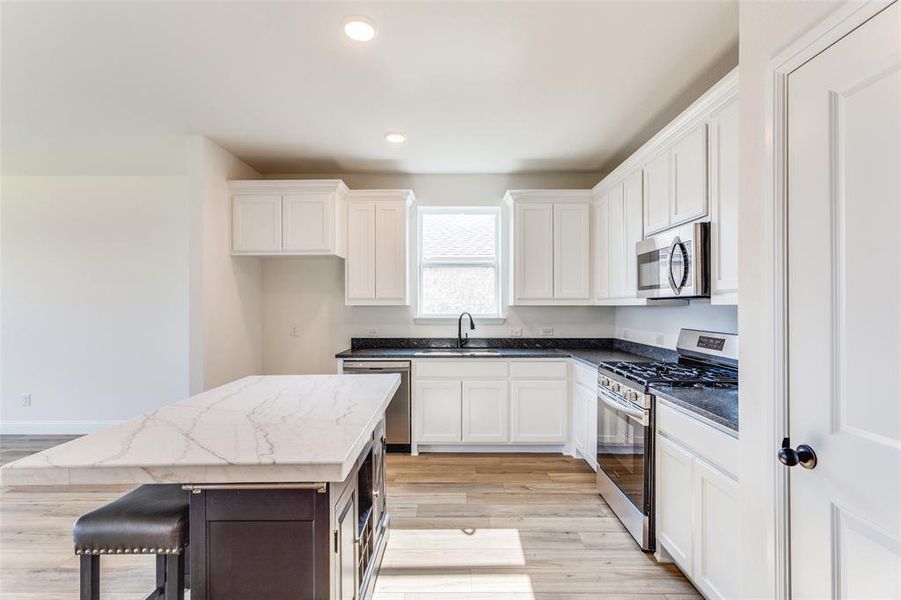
660	325
94	299
226	292
766	28
309	292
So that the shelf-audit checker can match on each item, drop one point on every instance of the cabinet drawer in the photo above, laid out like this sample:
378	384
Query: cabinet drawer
462	368
585	376
714	446
536	369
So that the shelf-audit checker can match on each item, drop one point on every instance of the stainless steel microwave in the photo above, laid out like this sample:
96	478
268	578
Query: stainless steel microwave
675	263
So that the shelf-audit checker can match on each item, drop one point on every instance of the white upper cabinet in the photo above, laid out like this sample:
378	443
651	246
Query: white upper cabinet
256	223
550	246
619	226
724	205
376	270
534	251
657	193
688	169
572	248
291	217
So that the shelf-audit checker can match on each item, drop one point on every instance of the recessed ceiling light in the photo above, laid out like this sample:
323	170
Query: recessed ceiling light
395	137
360	29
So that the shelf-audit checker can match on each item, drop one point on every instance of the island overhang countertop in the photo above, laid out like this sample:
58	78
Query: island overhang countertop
259	429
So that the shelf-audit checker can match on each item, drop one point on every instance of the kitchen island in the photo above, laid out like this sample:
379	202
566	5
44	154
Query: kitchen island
285	473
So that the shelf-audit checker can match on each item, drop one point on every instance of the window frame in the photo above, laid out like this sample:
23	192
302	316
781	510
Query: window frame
497	263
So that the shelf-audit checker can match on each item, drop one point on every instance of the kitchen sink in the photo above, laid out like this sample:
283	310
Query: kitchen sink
457	352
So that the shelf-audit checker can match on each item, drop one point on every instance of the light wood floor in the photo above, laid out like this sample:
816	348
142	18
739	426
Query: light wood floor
464	527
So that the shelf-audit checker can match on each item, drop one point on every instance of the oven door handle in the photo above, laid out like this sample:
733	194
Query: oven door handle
636	413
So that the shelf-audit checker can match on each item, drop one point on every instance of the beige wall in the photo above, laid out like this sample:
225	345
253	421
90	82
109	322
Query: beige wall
226	292
94	299
765	29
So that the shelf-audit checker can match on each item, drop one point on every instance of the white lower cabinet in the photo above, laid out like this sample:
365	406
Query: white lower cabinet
485	411
490	402
439	411
674	493
697	500
716	514
585	423
538	411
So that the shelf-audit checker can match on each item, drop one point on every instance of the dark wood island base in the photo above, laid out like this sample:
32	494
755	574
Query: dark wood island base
292	541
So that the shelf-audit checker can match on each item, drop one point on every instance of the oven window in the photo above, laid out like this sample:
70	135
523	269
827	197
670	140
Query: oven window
621	452
649	269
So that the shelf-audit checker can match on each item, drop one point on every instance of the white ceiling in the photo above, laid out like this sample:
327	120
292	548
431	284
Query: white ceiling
478	87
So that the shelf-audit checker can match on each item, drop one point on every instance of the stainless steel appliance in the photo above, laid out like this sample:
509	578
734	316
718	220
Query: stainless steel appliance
626	413
675	263
397	416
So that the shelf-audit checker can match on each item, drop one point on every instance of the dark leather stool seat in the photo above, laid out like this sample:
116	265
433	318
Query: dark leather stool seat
151	519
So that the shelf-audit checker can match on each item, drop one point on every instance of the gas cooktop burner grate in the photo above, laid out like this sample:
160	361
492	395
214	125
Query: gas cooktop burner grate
673	373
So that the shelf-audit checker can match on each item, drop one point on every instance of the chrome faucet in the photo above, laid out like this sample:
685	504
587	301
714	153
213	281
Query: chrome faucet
464	341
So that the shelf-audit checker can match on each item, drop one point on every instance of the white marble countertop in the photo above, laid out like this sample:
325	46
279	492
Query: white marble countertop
281	428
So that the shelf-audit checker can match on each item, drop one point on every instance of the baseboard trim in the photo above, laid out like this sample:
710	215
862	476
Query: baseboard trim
494	449
53	427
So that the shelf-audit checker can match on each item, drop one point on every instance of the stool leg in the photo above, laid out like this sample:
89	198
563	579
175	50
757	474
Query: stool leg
90	577
175	576
160	575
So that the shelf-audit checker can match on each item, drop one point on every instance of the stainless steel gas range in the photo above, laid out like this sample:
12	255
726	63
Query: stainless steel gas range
626	412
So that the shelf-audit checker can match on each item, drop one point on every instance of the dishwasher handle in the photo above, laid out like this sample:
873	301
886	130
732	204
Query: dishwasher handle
372	365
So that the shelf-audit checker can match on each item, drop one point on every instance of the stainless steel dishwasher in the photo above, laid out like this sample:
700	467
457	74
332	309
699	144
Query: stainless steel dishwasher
397	416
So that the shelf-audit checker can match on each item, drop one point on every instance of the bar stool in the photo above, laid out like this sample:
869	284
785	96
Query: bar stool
151	519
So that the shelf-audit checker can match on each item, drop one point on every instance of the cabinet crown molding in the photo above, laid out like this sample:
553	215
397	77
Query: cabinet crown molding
268	186
558	196
700	110
398	195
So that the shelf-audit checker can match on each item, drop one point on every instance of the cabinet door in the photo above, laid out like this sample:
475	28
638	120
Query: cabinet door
360	264
346	572
257	223
439	411
391	252
486	415
602	252
656	194
688	170
674	501
538	411
533	251
617	242
724	205
308	223
572	249
634	229
716	532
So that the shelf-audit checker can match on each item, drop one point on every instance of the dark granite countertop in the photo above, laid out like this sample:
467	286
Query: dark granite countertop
719	405
590	351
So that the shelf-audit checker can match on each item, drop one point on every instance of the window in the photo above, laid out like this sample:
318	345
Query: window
459	267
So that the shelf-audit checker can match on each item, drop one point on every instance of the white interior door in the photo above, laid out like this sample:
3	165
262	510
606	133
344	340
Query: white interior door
844	285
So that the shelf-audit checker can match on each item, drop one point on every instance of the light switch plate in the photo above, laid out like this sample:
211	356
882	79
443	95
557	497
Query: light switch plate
516	332
547	331
294	330
372	332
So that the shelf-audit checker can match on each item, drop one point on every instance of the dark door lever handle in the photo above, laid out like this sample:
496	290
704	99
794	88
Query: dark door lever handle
803	455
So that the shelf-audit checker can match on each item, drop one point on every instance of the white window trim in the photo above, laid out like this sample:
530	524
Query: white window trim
497	317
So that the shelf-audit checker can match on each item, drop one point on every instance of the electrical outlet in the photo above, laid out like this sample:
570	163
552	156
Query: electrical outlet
547	331
26	400
516	332
294	330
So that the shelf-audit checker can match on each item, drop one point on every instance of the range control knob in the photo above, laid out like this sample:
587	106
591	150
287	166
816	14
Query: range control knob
605	382
616	387
632	395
